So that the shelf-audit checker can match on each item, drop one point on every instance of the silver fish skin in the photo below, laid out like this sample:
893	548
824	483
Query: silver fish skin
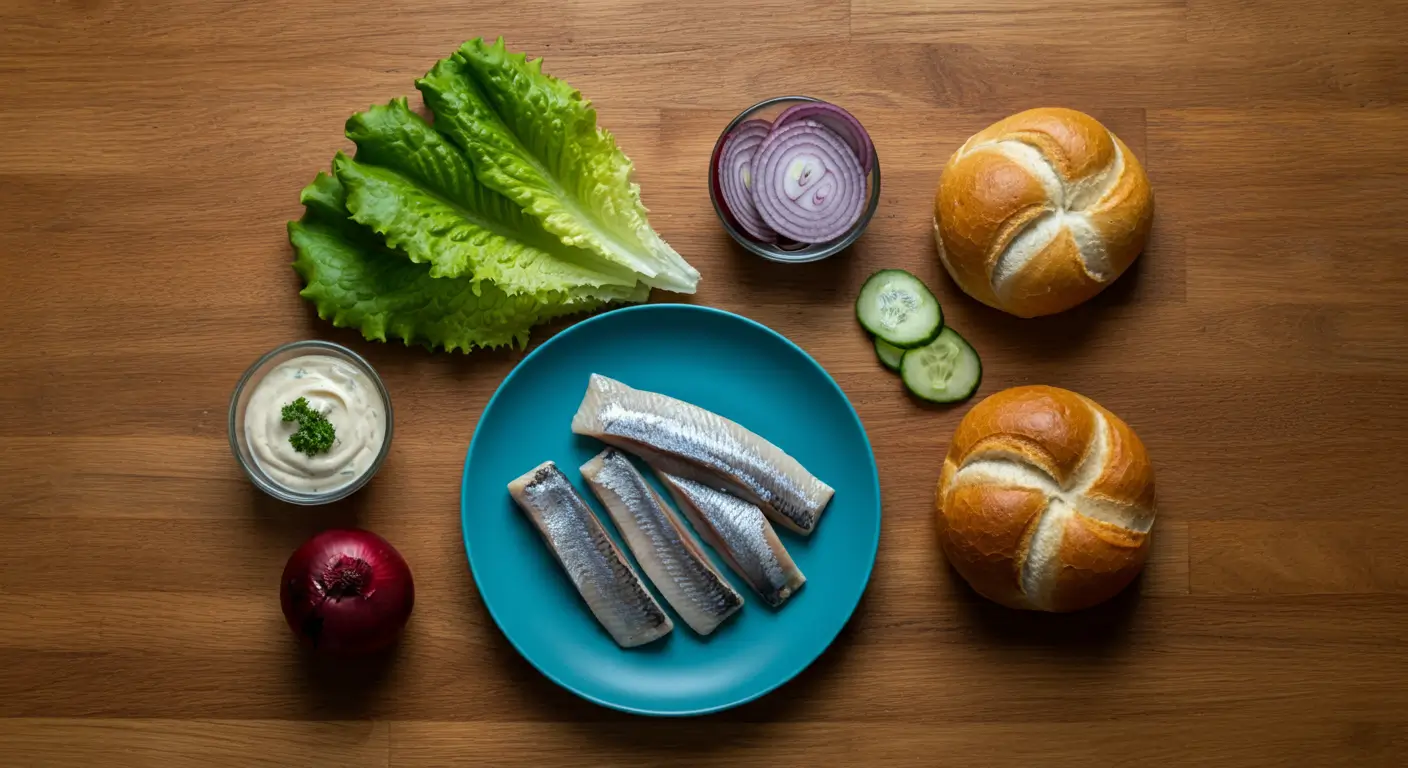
688	441
741	534
665	549
613	590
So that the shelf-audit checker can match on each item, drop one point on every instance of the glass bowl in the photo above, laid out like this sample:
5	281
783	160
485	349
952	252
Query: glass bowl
768	110
240	400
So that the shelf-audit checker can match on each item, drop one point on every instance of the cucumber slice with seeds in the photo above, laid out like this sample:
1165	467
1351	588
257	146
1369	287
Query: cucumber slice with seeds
946	370
899	309
888	353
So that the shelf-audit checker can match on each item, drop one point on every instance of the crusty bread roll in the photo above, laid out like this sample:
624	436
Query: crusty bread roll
1039	212
1046	500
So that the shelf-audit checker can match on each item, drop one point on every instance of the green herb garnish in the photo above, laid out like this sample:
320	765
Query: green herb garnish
315	433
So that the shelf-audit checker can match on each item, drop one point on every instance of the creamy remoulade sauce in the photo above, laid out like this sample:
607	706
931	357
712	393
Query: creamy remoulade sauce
334	388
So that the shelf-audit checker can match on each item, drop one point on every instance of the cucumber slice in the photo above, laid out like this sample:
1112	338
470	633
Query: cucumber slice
898	308
888	353
946	370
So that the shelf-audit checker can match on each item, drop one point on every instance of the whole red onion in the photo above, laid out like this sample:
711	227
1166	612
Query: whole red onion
347	592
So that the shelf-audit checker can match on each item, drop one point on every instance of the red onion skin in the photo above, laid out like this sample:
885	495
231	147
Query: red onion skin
840	122
737	201
715	181
347	592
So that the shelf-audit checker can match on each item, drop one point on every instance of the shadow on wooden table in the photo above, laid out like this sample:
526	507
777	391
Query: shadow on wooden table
284	526
340	688
351	688
1060	336
1095	634
828	281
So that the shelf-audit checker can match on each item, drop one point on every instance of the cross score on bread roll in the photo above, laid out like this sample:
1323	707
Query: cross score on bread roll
1039	212
1046	500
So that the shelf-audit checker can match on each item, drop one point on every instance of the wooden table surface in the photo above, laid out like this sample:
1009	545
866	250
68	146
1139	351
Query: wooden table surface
152	152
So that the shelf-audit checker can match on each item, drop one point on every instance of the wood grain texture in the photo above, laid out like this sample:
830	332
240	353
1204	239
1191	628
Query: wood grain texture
153	151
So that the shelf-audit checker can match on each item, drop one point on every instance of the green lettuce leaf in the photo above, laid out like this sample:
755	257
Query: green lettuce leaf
426	202
534	139
355	282
517	253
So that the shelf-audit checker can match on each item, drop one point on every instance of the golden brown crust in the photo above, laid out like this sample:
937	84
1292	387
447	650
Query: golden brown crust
1127	476
989	194
983	527
1030	445
1098	560
1011	197
1047	426
971	283
1075	143
1123	217
945	478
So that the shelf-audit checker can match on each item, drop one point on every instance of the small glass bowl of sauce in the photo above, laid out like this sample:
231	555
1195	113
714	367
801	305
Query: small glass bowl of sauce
335	382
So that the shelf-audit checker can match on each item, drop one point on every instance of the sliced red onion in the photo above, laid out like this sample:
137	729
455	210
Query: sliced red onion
841	122
809	186
735	175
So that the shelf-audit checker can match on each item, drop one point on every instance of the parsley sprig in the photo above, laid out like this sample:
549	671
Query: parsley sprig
315	433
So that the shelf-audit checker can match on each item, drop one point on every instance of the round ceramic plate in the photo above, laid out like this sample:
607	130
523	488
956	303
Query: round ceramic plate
729	365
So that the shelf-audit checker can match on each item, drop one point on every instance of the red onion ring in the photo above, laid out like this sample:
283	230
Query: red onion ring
736	178
809	185
841	122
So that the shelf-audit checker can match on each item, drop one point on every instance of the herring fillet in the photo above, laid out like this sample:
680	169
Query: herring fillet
665	549
686	440
598	569
740	533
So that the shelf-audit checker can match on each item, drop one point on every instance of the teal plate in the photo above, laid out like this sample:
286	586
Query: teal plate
729	365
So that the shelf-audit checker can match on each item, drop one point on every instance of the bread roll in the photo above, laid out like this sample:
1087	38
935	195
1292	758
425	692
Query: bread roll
1039	212
1046	500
